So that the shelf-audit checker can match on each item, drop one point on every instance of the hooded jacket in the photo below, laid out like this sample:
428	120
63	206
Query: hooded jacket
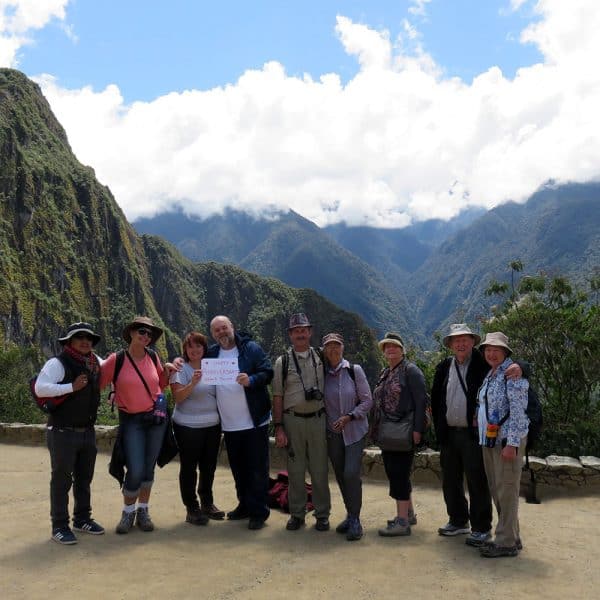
253	361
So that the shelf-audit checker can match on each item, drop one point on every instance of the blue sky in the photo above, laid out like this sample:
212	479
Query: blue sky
374	112
152	48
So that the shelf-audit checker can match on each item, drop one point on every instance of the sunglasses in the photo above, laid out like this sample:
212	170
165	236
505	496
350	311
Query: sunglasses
144	331
83	336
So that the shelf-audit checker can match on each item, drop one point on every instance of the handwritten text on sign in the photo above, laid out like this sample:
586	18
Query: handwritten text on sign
219	371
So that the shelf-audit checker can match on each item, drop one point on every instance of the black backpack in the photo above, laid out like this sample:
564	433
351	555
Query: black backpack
285	364
119	365
534	414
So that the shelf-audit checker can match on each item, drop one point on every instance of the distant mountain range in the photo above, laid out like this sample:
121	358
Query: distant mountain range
417	279
557	231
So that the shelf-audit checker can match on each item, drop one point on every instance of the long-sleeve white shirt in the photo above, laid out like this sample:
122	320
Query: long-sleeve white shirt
46	384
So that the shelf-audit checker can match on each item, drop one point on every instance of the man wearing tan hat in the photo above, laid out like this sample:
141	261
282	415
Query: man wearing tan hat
300	423
453	405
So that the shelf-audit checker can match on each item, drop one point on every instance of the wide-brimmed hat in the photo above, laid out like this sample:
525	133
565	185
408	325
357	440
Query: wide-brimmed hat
332	337
497	338
142	322
391	338
460	329
80	327
299	320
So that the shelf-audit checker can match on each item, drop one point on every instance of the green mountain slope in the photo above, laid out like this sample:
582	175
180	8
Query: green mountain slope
68	253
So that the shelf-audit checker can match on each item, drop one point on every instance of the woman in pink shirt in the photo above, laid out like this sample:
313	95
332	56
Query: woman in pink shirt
140	380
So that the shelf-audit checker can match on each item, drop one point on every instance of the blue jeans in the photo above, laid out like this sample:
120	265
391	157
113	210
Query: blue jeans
142	441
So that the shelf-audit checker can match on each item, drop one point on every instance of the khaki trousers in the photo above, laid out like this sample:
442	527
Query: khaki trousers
307	451
504	479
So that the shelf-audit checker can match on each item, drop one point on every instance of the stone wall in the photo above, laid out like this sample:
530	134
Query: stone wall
553	471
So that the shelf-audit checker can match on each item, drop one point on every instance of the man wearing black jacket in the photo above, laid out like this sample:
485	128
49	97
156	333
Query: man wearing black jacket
245	412
453	403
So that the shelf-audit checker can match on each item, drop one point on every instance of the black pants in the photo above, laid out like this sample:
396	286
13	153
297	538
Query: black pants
398	467
72	459
461	458
198	452
248	453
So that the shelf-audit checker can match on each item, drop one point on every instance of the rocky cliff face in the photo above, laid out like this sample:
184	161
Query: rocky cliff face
67	253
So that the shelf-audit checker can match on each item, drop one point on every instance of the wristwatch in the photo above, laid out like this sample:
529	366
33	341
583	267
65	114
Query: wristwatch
350	415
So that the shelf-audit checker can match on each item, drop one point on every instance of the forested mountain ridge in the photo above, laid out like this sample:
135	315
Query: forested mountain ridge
293	249
67	253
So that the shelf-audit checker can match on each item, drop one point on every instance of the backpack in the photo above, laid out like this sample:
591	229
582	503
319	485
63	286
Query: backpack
278	493
534	414
285	364
49	404
118	366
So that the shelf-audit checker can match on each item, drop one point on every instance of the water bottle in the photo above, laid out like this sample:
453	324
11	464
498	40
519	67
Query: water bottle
160	409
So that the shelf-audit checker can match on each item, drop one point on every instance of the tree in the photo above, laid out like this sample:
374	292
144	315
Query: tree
556	327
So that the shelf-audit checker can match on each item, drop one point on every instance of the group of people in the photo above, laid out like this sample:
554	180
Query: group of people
320	411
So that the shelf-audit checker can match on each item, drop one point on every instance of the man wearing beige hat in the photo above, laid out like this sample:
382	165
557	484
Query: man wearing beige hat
300	423
453	404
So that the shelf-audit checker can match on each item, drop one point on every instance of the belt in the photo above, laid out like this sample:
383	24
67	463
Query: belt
75	429
317	413
454	428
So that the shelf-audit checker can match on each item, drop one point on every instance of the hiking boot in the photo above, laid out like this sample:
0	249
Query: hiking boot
518	544
143	520
196	517
294	523
256	523
126	522
355	530
412	517
450	530
343	526
89	526
238	513
322	524
212	512
395	527
493	551
64	535
478	539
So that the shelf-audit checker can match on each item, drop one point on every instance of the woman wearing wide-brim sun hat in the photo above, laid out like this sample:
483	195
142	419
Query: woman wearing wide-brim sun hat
399	393
503	427
140	380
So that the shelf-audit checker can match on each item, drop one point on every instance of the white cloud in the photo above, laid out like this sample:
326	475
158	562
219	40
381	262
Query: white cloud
396	142
19	18
418	7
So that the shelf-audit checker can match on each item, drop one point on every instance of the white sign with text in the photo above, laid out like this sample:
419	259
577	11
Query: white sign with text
219	371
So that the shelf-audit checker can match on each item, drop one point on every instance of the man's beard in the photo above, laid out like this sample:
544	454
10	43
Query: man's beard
226	340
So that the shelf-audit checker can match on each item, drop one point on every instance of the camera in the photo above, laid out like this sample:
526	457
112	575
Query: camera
313	394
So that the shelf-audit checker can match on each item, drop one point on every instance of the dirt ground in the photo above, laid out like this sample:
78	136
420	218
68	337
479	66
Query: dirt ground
561	558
